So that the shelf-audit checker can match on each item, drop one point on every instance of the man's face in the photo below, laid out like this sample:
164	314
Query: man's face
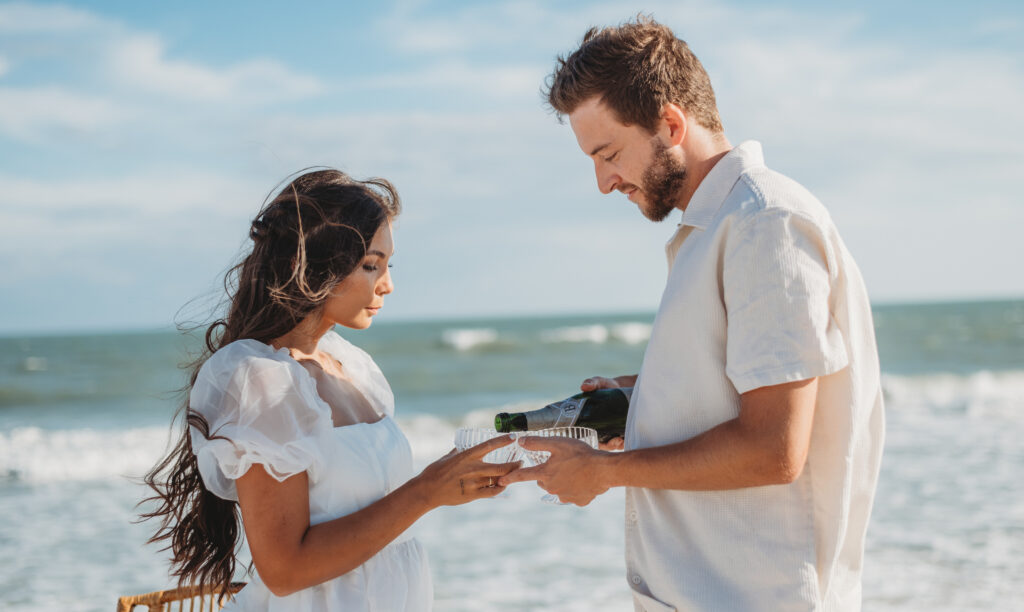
629	159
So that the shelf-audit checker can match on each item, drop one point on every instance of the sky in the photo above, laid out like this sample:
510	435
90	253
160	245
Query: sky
138	139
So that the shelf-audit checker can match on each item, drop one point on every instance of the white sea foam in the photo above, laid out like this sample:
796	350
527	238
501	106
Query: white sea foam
980	394
464	339
632	332
597	334
931	537
38	455
35	364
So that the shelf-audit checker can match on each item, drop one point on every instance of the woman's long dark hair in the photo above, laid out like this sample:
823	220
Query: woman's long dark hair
306	240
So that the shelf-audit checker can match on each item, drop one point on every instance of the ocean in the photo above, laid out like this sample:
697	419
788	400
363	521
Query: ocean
83	416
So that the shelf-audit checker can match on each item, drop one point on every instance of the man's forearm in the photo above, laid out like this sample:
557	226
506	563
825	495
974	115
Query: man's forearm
767	444
721	458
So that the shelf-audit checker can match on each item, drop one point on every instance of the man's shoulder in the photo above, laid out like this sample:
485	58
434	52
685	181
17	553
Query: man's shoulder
762	190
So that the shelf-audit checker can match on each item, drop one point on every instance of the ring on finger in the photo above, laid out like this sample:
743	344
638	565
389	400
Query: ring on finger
490	481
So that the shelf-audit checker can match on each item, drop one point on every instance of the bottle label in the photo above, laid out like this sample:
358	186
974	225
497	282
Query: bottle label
569	411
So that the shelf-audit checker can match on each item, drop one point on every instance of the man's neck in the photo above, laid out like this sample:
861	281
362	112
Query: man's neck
705	153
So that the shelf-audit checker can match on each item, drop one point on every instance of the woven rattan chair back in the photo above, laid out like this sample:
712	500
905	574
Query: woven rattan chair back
198	598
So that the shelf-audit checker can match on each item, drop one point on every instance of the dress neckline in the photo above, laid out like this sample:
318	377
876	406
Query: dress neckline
336	379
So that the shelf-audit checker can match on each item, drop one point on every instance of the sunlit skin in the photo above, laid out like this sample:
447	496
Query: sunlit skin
622	154
289	553
767	443
353	302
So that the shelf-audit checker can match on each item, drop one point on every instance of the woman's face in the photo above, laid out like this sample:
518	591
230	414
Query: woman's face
359	297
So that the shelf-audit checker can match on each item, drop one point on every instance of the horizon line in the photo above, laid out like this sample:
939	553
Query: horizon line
8	334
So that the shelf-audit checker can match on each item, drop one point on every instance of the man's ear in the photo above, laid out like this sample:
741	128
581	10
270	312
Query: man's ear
674	124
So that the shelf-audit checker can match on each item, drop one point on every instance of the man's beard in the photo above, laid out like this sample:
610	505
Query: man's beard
662	183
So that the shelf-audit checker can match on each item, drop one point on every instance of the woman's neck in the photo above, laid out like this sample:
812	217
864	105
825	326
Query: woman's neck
303	339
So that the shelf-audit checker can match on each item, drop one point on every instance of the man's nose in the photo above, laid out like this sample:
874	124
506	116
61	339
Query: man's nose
607	179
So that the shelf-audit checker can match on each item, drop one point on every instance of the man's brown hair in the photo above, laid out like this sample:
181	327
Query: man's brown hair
635	69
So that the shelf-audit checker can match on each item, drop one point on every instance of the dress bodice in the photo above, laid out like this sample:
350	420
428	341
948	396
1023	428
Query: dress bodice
264	407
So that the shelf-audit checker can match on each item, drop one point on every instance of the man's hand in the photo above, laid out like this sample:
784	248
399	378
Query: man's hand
574	472
602	382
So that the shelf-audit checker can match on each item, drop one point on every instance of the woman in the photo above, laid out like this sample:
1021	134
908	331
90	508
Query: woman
290	426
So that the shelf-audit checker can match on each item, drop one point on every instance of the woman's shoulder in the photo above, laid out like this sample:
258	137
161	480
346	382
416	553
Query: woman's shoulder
248	376
240	358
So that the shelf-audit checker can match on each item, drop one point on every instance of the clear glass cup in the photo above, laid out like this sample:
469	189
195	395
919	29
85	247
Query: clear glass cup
583	434
468	437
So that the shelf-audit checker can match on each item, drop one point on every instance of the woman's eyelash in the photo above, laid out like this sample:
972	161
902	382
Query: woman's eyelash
373	268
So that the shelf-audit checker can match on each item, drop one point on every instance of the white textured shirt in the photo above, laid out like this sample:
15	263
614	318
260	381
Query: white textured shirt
761	291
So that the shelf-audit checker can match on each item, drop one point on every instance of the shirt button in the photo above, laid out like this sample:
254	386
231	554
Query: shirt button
636	579
632	516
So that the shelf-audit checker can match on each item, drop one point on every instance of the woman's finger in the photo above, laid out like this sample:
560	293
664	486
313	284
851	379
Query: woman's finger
530	473
478	451
497	470
487	482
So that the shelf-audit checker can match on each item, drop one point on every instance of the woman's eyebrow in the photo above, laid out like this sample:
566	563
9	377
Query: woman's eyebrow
377	253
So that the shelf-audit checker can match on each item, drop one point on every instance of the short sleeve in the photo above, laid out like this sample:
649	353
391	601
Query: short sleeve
259	410
777	277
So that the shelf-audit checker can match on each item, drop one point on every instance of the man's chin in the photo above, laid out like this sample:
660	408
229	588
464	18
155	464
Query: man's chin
656	214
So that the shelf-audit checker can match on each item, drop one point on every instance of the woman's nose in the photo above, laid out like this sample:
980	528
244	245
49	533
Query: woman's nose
386	285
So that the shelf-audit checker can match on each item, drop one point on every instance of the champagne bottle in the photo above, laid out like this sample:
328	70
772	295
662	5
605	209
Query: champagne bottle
604	410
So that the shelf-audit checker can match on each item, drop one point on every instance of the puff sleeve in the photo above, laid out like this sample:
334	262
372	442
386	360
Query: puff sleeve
261	410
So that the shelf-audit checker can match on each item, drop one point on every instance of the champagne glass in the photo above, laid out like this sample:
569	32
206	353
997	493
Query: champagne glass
468	437
536	457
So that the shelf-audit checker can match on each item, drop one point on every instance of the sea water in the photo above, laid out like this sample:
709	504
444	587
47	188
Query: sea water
83	416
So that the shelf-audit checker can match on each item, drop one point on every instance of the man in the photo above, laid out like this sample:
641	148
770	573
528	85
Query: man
755	430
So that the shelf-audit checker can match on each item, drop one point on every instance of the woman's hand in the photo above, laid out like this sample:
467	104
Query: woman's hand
458	478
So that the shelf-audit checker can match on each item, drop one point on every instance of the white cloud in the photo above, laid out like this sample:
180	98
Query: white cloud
486	81
105	228
170	192
141	62
32	113
900	142
30	18
996	27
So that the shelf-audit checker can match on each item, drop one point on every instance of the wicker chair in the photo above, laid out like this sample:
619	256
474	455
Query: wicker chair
187	599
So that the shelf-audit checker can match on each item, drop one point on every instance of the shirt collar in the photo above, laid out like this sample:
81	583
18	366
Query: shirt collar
715	187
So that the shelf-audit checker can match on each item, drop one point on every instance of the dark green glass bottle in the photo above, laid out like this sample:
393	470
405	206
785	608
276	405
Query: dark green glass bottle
604	410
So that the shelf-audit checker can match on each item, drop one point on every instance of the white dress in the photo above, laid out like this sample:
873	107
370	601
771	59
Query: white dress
266	407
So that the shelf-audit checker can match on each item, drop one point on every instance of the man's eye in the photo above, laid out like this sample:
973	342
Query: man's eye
612	157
